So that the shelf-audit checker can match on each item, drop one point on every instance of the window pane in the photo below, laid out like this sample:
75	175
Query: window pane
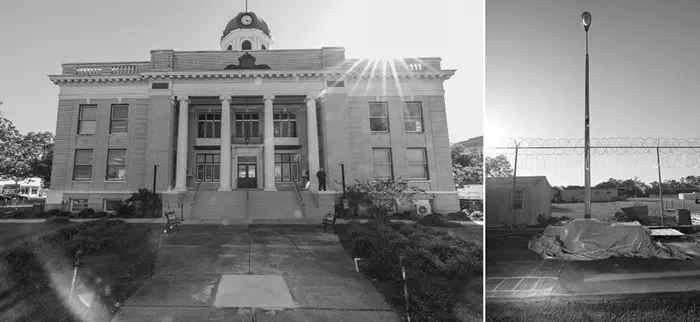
378	124
417	171
411	109
217	158
276	116
210	117
201	129
246	116
246	129
285	157
255	116
295	157
202	117
256	130
210	158
285	171
200	172
83	157
239	129
292	116
278	172
415	155
377	109
278	158
88	113
410	126
295	172
217	116
116	172
83	172
200	157
208	173
120	112
119	126
285	129
239	116
292	129
382	171
88	127
117	157
276	126
216	171
210	130
217	129
381	156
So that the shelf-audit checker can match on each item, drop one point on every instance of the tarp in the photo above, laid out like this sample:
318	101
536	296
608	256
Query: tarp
591	239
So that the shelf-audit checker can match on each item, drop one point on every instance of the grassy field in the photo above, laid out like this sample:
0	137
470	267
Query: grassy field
603	210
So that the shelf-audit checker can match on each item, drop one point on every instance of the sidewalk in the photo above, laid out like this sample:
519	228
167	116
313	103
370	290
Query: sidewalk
264	273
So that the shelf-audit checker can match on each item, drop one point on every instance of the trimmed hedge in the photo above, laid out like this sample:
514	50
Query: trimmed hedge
437	265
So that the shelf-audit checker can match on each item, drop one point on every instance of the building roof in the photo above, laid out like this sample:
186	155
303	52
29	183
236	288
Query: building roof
519	181
257	23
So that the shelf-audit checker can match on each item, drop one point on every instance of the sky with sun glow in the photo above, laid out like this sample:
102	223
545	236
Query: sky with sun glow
38	36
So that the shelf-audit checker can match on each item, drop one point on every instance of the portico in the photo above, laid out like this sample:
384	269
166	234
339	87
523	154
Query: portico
246	141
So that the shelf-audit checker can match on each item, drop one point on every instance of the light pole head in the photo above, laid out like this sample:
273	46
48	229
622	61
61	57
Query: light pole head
586	20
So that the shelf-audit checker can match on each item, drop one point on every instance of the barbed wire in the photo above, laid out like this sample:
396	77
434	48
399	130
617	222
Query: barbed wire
621	162
599	146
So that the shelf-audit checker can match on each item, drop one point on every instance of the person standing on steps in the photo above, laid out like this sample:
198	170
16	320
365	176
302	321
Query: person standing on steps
321	175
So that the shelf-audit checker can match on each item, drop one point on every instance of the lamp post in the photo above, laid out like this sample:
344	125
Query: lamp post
586	21
155	175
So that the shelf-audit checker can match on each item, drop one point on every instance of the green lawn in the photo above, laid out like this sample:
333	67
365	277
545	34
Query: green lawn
35	276
651	309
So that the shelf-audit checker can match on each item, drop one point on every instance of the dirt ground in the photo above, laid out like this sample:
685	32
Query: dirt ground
605	209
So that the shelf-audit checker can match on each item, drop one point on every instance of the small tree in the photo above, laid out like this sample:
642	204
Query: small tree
144	198
380	197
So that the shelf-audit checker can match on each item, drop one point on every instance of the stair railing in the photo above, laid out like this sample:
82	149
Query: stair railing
194	199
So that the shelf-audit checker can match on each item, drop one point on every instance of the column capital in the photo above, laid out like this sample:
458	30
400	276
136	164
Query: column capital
183	98
225	98
269	97
310	97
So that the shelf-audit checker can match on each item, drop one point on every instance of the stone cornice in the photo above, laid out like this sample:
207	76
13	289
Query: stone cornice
247	74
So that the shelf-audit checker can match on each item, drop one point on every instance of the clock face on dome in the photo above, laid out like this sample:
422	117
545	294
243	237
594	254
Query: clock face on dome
246	20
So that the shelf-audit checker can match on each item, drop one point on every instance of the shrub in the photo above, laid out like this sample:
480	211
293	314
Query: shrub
100	214
86	213
58	220
52	213
436	220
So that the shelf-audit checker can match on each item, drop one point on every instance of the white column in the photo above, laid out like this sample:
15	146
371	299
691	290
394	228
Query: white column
312	130
269	145
225	166
181	174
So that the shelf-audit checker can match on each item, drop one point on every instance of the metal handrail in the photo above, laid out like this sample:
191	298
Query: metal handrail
194	199
296	188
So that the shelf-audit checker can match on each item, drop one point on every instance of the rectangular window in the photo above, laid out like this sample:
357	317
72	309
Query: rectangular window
35	191
208	166
82	166
110	205
286	167
87	123
518	199
381	164
116	165
119	120
209	125
378	117
77	205
412	117
247	125
417	164
285	125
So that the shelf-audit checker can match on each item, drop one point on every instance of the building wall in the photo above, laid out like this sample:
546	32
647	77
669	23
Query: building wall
536	202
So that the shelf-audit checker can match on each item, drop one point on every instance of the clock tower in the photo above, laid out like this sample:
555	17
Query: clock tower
246	32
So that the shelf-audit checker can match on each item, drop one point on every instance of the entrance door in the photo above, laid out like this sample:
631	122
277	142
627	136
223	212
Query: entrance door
247	176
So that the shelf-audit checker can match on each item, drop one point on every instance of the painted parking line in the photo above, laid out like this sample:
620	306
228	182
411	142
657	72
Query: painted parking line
519	286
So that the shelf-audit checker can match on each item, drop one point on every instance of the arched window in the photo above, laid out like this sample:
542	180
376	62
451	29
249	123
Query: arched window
229	47
264	48
246	45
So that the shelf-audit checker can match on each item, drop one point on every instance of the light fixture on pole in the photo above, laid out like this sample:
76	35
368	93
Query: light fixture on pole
586	21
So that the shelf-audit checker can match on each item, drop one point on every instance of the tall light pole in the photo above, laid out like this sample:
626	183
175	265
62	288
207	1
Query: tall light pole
586	21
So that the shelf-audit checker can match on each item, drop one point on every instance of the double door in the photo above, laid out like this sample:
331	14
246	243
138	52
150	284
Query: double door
247	175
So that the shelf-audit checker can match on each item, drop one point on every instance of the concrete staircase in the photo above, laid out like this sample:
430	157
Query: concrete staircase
219	205
274	205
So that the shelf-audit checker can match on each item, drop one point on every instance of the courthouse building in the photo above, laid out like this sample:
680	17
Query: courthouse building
218	125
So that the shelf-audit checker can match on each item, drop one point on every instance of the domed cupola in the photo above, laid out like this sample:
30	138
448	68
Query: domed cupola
246	32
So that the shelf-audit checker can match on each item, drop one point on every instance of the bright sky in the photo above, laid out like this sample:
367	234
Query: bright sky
644	76
38	36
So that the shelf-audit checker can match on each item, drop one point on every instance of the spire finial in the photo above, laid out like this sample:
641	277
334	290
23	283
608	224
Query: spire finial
246	5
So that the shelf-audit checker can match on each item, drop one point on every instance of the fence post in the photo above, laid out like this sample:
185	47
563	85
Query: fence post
661	190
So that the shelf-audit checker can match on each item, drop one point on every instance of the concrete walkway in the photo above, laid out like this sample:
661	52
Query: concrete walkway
254	273
515	272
